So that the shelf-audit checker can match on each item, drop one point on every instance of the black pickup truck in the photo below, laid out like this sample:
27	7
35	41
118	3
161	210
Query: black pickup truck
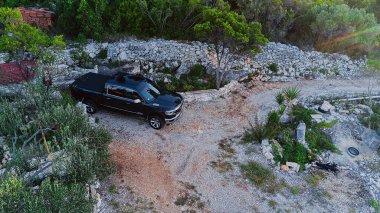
129	93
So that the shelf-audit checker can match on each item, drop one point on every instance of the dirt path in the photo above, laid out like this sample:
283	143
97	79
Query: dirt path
155	164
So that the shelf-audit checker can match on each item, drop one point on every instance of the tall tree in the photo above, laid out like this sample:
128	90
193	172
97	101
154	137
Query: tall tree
230	34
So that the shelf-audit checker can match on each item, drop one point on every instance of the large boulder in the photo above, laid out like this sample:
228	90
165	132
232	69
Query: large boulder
326	107
371	139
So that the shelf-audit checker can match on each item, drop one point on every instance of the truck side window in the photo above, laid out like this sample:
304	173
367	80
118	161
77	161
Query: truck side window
117	91
123	93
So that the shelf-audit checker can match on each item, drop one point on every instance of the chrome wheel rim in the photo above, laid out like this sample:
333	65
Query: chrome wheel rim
155	123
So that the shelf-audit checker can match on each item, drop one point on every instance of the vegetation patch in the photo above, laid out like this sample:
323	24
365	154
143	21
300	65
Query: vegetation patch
318	141
221	166
86	148
52	196
315	179
372	121
196	79
261	177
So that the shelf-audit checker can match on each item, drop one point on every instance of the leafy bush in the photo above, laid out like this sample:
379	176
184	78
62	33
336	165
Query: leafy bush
275	17
19	37
296	152
37	108
81	17
318	141
331	21
302	114
52	196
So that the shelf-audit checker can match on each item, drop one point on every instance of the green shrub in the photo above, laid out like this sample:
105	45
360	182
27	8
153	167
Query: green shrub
273	67
102	54
197	70
301	113
79	16
261	177
296	152
375	205
52	196
331	21
257	134
273	119
280	98
318	141
291	93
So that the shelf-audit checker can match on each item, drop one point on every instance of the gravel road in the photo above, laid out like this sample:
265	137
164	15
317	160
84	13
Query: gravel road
159	166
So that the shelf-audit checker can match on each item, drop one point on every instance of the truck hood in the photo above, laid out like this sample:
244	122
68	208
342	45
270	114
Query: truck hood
168	100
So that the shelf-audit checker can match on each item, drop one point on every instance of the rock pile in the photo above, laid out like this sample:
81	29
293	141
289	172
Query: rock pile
295	63
154	55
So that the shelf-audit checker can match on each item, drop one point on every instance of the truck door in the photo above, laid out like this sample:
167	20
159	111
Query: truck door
118	97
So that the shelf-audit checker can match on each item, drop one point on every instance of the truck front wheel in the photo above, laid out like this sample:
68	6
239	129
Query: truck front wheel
156	122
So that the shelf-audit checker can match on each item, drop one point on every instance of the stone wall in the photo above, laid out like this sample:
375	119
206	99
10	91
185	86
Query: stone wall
151	57
41	18
154	55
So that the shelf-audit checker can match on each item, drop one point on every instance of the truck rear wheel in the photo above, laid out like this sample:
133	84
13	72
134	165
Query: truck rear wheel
156	122
91	107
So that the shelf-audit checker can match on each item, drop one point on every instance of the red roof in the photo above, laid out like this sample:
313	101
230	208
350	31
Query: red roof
12	73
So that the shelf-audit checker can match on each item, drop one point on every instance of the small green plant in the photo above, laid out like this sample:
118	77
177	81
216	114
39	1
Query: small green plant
375	205
296	190
296	152
291	93
181	201
273	67
112	189
280	98
273	204
326	125
103	53
259	176
318	141
315	179
273	119
301	113
257	134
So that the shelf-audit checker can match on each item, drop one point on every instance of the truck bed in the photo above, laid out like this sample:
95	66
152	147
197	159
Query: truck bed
92	81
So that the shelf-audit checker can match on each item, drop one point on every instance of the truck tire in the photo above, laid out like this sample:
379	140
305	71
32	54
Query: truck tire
91	107
156	122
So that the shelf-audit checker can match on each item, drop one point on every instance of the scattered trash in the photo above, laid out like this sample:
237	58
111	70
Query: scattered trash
332	167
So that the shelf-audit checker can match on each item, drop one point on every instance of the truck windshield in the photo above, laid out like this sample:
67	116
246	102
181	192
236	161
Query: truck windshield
149	92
